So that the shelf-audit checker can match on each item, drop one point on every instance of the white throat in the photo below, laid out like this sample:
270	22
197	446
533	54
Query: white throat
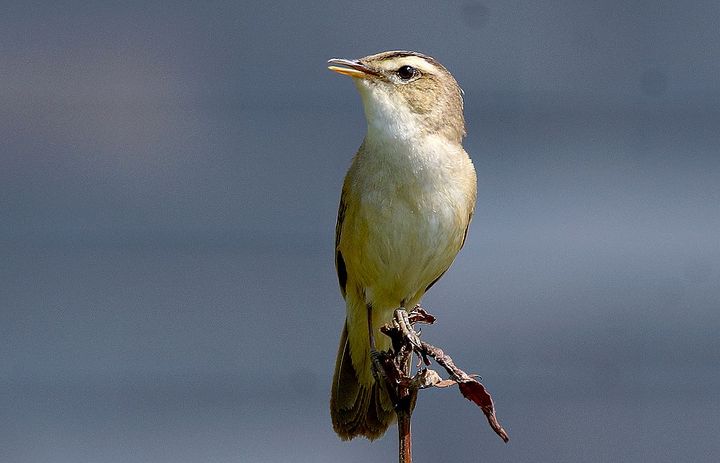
388	116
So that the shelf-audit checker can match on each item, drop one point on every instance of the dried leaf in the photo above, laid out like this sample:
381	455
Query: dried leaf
446	383
476	392
427	378
420	315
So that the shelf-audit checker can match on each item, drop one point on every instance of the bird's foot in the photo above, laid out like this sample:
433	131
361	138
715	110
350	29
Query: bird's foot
378	368
401	321
386	372
383	367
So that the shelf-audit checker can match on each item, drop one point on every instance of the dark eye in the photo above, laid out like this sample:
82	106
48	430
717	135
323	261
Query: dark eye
407	72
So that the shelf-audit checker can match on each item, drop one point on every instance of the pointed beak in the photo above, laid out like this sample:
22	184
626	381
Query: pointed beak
351	68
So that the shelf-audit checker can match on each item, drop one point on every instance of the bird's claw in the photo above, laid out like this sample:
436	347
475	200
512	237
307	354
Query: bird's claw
402	322
378	367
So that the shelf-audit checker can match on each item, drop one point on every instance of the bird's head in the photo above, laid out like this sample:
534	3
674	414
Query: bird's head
406	94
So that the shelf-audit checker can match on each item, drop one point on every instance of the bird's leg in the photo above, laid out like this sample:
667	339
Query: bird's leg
382	366
406	342
378	367
370	329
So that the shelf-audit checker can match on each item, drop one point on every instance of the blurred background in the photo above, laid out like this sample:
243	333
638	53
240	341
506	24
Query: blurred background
169	178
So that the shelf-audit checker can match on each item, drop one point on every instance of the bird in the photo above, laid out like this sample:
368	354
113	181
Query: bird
407	201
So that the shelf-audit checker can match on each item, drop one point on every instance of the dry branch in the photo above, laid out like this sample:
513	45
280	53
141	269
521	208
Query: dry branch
395	368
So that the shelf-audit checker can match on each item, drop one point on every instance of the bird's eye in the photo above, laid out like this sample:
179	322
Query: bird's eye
407	72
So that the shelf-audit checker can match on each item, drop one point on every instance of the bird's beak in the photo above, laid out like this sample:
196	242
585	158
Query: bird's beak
351	68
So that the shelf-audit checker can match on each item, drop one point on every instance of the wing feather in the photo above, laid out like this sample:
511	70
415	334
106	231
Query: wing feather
339	261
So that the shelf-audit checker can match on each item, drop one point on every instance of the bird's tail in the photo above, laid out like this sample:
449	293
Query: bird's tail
359	406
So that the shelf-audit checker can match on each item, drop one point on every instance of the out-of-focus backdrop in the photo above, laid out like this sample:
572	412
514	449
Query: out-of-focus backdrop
169	177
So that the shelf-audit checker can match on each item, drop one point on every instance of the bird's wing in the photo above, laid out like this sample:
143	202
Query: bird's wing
339	261
467	227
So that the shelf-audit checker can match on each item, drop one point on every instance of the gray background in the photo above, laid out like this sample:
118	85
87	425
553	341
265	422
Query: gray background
168	187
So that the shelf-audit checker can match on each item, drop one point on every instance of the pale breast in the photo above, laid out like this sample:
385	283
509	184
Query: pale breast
407	221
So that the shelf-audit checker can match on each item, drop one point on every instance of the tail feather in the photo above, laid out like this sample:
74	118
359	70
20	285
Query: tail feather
357	409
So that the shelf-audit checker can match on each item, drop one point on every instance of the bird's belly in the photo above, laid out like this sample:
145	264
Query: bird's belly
403	247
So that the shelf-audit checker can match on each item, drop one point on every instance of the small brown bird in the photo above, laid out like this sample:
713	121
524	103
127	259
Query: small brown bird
406	204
